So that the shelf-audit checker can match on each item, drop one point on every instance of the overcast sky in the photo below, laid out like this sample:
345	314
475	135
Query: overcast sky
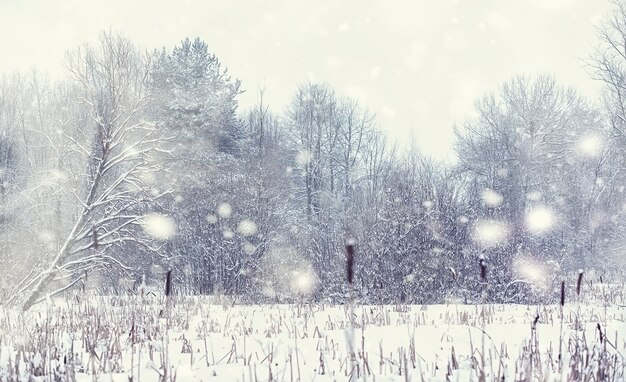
418	64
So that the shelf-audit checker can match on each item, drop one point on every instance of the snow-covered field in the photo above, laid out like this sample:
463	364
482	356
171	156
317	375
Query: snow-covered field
209	339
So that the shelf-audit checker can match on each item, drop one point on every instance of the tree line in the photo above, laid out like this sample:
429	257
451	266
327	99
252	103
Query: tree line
136	163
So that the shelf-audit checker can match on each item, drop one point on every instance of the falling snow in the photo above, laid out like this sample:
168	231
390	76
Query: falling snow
158	226
211	219
247	227
590	146
489	233
188	213
540	219
224	210
304	157
492	198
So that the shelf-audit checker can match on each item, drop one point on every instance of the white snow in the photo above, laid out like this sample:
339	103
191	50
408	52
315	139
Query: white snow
532	271
303	158
534	196
211	219
249	248
47	238
211	339
539	219
492	198
303	282
502	172
158	226
490	232
590	146
247	227
224	210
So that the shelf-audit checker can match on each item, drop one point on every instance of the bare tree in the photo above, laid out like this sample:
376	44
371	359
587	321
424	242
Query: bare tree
608	65
311	118
355	127
115	152
523	151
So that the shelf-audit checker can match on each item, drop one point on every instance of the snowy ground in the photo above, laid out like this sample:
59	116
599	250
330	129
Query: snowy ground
120	338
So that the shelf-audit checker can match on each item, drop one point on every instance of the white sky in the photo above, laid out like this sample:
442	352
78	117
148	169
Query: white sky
418	64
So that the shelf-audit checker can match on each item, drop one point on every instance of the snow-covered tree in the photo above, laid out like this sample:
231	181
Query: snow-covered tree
195	102
108	171
608	65
533	191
